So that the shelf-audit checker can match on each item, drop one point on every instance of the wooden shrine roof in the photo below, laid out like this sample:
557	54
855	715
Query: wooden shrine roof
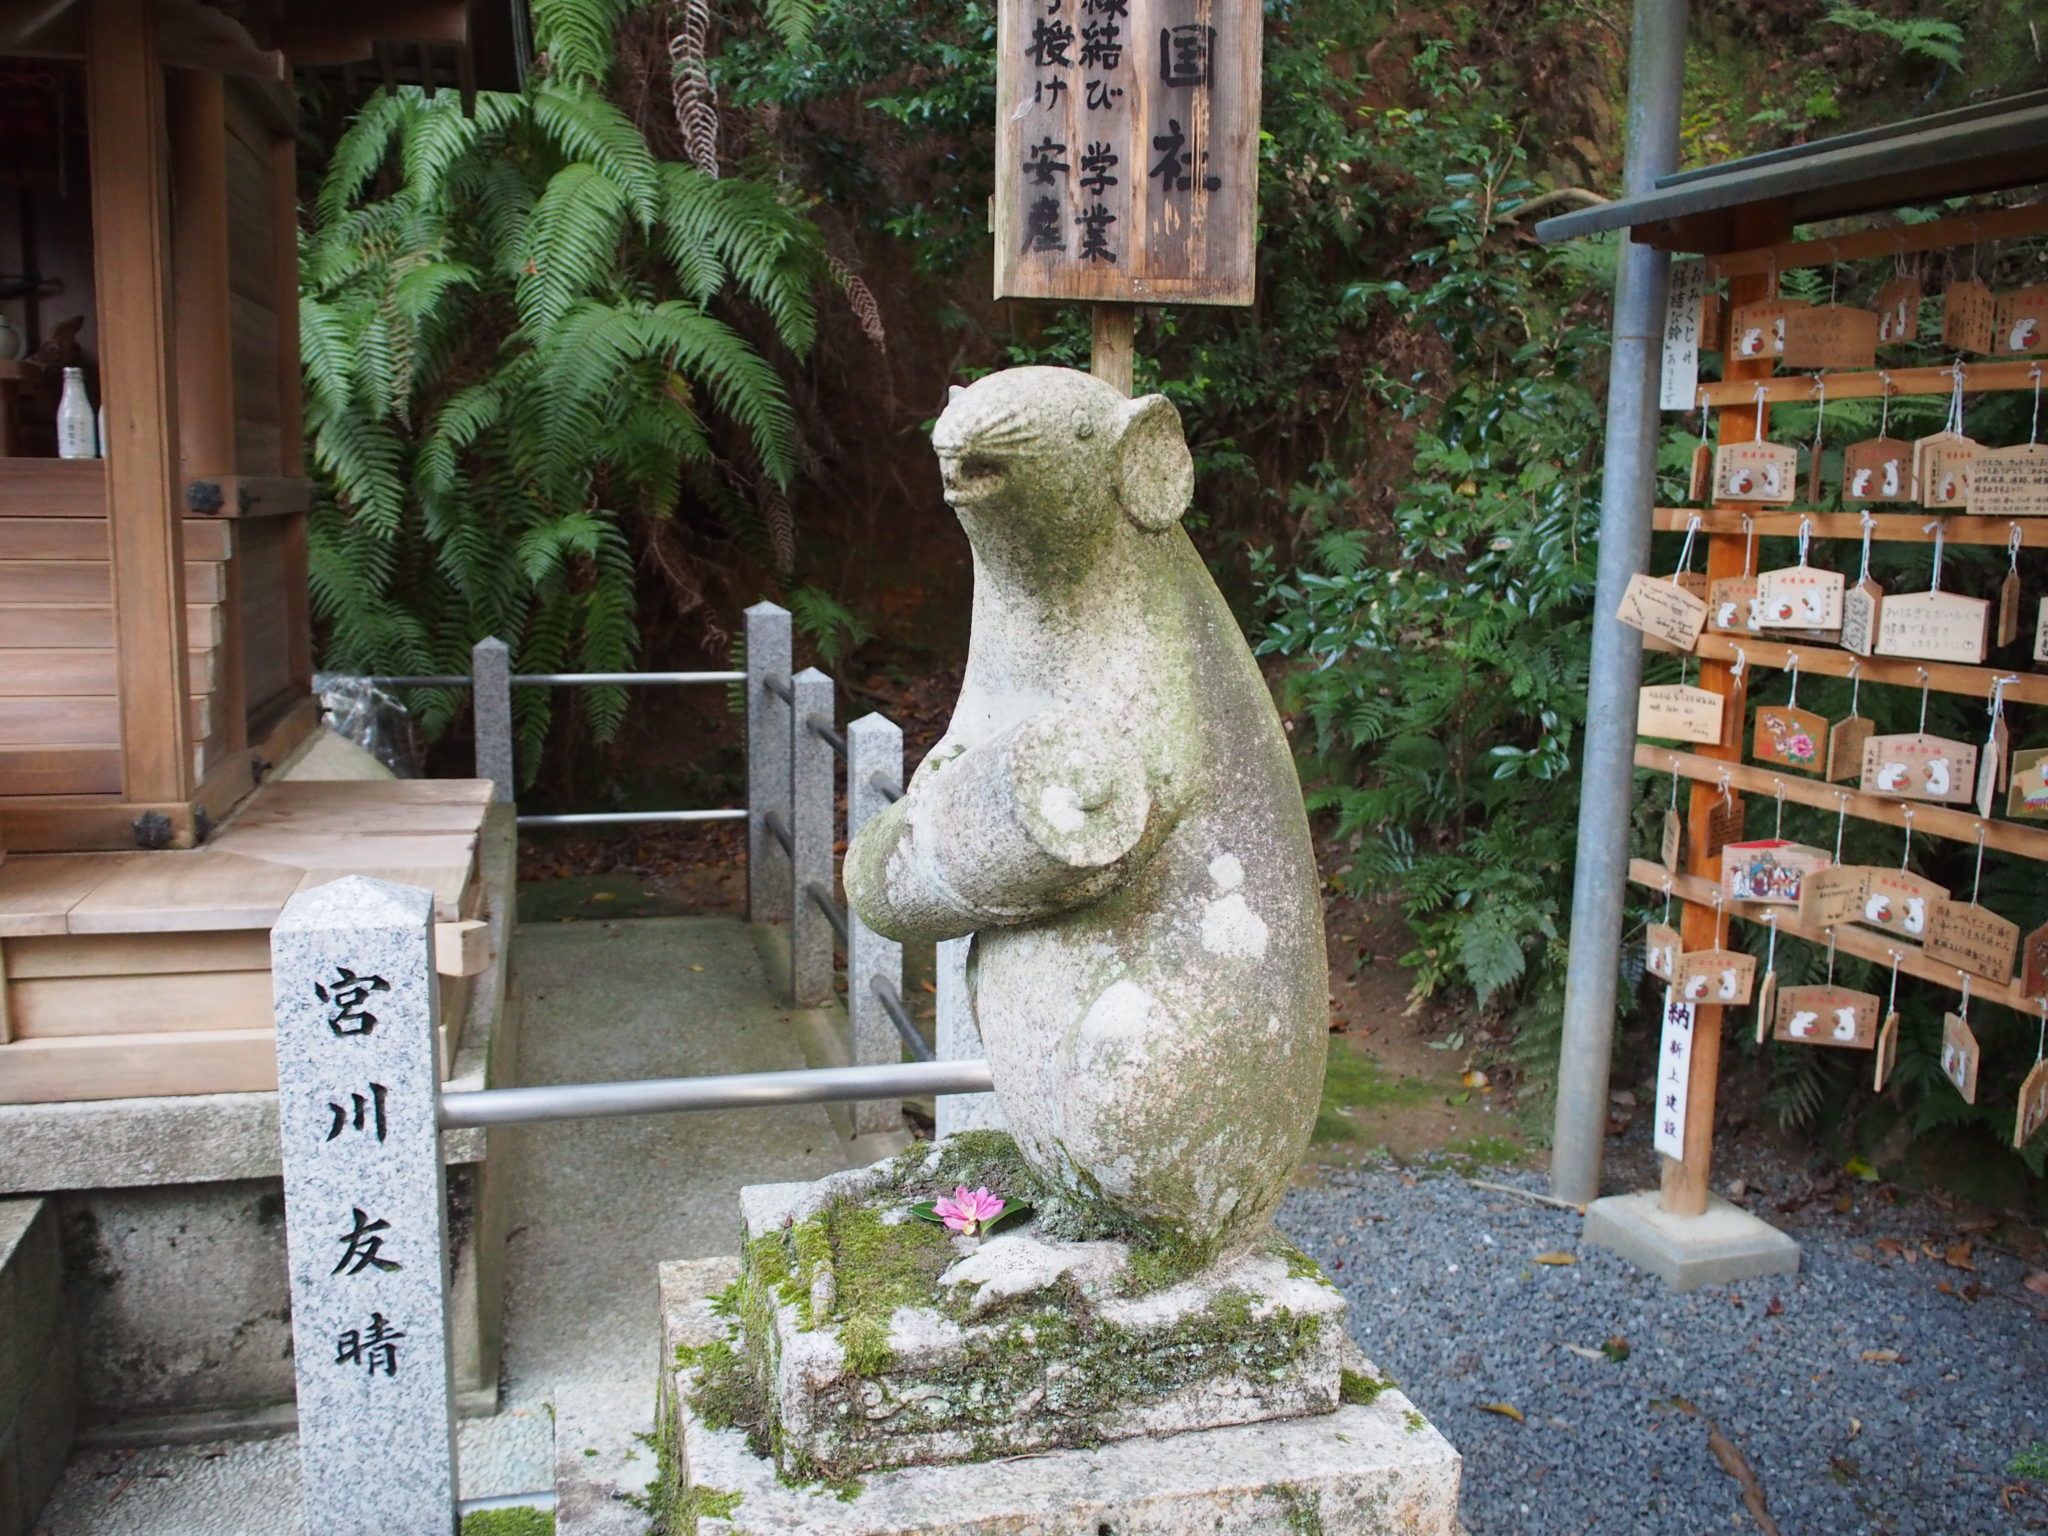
1984	148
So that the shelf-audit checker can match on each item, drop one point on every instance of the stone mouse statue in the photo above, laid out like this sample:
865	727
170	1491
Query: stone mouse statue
1114	813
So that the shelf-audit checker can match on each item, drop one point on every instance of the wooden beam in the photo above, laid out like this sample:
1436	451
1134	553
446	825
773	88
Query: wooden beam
291	428
1800	388
1699	894
131	259
53	488
1890	240
1887	527
1942	676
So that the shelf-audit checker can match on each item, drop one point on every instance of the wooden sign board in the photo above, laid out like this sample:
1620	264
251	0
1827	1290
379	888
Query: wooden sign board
1969	313
1845	746
1917	766
1898	311
1799	597
1758	330
1830	336
2028	796
1959	1055
2034	963
1887	1052
1679	712
1672	844
1732	605
1127	150
1943	469
1827	1015
2021	326
1834	895
1756	472
1662	947
1674	1074
1664	609
1933	626
1878	469
1900	902
2033	1106
1718	976
2041	631
2010	482
1792	738
1973	939
1769	870
1861	606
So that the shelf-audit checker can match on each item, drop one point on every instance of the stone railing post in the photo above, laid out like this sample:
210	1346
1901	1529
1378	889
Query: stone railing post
366	1232
812	772
874	749
959	1040
768	652
490	703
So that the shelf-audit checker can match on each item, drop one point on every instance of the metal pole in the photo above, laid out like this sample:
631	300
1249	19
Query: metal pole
874	750
1627	492
813	768
738	1090
490	663
768	646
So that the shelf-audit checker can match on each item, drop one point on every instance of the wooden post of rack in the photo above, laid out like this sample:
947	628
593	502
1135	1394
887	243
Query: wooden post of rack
1113	349
1684	1185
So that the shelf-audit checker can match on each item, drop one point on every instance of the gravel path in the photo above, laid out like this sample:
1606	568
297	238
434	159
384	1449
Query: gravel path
1446	1298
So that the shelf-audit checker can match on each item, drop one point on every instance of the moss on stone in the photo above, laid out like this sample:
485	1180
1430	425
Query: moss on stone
509	1522
1357	1387
877	1268
709	1503
1414	1422
1304	1511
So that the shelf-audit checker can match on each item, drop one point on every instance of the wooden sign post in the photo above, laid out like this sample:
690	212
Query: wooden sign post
1126	157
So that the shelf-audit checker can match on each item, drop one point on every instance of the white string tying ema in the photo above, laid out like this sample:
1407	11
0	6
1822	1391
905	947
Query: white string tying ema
1855	685
1869	531
2034	431
1820	414
1692	528
1778	791
1884	419
1831	955
1760	393
1977	886
1957	374
1792	666
1705	417
1906	852
1998	687
1926	685
1741	663
1771	951
1805	540
1841	820
2013	540
1892	1002
1940	532
2041	1040
1748	545
1963	1012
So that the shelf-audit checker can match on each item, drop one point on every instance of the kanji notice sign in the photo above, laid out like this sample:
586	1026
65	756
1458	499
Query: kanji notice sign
1127	150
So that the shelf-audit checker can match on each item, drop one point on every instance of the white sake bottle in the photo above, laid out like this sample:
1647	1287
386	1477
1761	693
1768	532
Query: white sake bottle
77	433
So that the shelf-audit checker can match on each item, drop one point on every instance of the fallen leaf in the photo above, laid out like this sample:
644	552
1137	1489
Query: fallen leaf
1880	1357
2037	1282
604	896
1843	1470
1555	1257
1776	1308
1474	1079
698	968
1585	1353
927	986
1862	1168
1615	1349
1505	1410
1737	1466
1890	1247
1957	1256
1462	1098
1855	1428
1844	1203
1944	1287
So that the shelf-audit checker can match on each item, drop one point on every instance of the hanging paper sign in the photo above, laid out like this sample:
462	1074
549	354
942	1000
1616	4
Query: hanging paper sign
1959	1055
1756	472
2022	324
1758	330
1834	895
1791	737
1769	870
1828	1015
1887	1052
1920	767
1933	626
1878	469
1662	947
1732	605
1799	597
1898	311
1861	605
2033	1108
1900	902
1664	610
1973	939
1830	336
1679	712
1846	739
1674	1074
1683	335
1943	472
1674	839
2010	482
1127	151
2034	963
2028	796
1969	314
1719	976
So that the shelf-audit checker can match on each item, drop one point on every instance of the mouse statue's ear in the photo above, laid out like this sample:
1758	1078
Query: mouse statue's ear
1155	473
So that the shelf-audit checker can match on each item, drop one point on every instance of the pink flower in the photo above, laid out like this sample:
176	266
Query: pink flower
967	1211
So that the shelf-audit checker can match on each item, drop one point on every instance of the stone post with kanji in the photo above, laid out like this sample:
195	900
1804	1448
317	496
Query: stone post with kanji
358	1099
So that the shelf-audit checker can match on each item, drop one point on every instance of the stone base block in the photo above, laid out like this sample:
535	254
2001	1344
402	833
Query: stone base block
38	1374
1014	1344
1372	1469
1687	1252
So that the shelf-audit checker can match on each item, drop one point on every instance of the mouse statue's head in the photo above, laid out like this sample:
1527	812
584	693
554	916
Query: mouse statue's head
1046	463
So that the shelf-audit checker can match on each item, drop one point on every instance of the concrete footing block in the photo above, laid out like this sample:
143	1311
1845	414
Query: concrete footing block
602	1468
1686	1252
38	1370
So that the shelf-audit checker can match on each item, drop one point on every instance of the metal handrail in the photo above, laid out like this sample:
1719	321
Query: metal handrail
779	830
565	679
884	786
627	818
821	727
739	1090
835	914
892	1004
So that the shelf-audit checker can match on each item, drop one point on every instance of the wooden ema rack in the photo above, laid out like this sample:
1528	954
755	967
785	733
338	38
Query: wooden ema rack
1725	528
125	975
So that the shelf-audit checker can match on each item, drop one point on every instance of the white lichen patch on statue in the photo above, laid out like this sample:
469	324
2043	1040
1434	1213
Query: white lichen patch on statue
1113	813
1018	1264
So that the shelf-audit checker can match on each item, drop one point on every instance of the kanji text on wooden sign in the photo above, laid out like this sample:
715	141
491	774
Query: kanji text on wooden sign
1127	149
